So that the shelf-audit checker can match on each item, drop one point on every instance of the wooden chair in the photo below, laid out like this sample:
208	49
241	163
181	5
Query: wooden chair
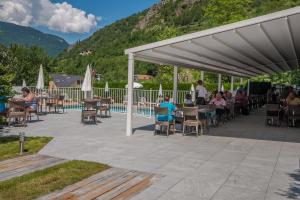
191	119
272	113
293	114
34	110
17	111
59	104
163	111
89	111
105	105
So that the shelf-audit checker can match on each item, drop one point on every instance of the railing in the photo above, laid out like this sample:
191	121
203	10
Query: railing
143	100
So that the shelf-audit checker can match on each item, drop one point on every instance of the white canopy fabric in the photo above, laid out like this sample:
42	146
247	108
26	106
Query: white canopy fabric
24	83
136	85
40	83
262	45
106	89
87	82
160	92
193	93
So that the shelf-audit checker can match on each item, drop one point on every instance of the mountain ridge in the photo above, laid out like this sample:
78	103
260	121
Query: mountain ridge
22	35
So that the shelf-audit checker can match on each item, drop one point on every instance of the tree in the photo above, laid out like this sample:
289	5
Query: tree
6	74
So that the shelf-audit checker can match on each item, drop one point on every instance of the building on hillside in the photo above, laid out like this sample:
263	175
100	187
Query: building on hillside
141	77
64	80
86	53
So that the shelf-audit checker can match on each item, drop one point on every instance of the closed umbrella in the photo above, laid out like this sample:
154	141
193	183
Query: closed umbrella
160	92
87	82
24	83
106	89
193	93
222	88
40	82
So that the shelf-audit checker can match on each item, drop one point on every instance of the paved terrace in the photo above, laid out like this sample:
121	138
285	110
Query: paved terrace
242	159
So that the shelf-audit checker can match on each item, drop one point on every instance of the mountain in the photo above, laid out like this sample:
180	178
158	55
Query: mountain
104	50
15	34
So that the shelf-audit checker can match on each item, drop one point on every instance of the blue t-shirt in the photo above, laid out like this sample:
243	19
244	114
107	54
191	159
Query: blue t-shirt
168	117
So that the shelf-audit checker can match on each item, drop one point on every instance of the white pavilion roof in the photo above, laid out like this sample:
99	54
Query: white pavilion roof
262	45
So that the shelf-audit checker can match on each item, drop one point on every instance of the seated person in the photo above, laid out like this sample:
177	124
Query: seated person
28	98
171	109
188	100
220	104
292	99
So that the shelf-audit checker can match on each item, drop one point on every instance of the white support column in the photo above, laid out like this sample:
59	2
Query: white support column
219	82
248	87
175	81
130	94
232	84
202	76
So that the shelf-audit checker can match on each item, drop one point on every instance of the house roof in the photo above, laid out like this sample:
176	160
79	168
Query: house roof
263	45
64	80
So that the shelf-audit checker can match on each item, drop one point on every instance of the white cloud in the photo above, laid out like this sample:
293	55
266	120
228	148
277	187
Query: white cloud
61	17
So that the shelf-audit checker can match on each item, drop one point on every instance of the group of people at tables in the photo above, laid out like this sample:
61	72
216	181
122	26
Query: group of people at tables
284	100
220	100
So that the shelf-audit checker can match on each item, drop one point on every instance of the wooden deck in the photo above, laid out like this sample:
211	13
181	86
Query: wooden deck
114	183
26	164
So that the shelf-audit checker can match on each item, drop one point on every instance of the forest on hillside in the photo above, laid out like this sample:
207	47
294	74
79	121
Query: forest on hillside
169	19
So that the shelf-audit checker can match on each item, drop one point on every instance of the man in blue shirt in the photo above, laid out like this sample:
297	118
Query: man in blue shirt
171	109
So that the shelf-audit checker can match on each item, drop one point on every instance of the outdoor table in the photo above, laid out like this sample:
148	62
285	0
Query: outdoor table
43	100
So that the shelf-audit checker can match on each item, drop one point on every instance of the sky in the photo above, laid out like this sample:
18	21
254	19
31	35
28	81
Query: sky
69	19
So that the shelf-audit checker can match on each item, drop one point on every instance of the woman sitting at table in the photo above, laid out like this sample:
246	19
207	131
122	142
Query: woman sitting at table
292	99
220	104
188	101
171	108
28	97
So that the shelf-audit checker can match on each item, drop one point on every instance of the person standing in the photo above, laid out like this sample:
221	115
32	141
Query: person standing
202	93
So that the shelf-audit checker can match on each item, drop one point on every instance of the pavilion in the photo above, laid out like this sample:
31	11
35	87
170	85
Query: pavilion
263	45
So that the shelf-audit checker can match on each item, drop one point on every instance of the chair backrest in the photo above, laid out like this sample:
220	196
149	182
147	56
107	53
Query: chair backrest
189	105
294	110
272	107
179	106
160	111
105	101
190	112
90	105
61	97
16	105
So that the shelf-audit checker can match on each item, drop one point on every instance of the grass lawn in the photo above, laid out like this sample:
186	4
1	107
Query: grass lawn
39	183
9	146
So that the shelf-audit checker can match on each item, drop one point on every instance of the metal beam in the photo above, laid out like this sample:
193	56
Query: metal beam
161	61
253	70
240	35
204	63
264	69
288	26
286	65
175	80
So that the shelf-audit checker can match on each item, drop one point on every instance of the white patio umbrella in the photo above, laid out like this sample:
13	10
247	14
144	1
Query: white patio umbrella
24	83
222	88
40	83
160	92
87	82
106	89
193	93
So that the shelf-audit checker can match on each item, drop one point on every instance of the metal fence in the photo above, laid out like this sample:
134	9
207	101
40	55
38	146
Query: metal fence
143	100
